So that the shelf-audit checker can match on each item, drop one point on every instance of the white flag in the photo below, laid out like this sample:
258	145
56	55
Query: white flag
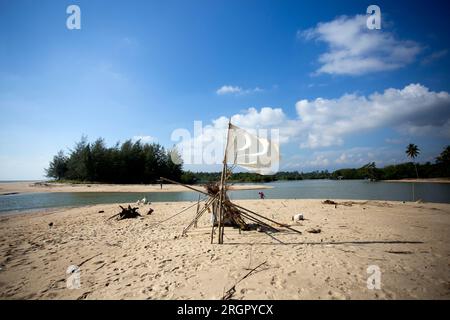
257	154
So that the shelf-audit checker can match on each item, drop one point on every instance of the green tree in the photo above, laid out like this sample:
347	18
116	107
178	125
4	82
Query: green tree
412	151
443	162
78	162
58	166
370	171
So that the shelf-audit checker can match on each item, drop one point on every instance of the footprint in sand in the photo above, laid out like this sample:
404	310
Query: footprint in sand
276	282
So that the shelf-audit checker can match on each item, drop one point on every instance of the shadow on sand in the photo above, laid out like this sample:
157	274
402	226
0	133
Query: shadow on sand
326	243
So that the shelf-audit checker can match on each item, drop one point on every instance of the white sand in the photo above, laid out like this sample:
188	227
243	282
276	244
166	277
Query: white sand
133	260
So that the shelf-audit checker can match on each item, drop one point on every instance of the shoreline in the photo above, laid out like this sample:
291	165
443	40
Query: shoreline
11	188
142	259
427	180
52	210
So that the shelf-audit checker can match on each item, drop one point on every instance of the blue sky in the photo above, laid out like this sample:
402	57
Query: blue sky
342	95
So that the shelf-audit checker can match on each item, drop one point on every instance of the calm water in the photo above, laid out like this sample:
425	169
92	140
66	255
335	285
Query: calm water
306	189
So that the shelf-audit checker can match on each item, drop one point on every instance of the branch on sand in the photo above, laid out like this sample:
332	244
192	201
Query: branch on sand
232	290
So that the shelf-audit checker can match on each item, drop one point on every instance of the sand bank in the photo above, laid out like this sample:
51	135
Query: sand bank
30	187
137	259
430	180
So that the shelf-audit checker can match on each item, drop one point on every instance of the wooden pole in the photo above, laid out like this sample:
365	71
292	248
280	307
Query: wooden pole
186	186
198	208
221	204
222	186
214	211
198	215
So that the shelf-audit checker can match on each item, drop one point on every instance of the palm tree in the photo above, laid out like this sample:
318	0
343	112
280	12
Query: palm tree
412	151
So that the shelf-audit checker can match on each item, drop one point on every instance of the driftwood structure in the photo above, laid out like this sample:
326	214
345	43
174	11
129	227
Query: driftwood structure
233	215
224	211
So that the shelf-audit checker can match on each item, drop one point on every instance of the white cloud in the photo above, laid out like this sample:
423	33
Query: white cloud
353	49
346	158
412	110
435	56
394	141
144	139
227	89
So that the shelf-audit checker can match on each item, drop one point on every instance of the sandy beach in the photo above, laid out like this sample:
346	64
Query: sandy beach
139	259
33	187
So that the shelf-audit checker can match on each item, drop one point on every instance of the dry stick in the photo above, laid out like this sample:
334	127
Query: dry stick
198	208
194	221
222	186
214	212
112	216
199	214
274	237
157	224
83	262
232	290
186	186
280	224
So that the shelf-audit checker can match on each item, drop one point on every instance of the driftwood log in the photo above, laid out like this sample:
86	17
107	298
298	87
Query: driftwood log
126	213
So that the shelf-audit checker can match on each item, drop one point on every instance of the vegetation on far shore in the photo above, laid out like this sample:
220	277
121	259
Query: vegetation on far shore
138	163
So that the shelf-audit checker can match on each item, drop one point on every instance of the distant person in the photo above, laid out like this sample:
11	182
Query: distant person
261	195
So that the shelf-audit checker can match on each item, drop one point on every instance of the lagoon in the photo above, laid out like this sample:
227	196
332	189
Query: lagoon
303	189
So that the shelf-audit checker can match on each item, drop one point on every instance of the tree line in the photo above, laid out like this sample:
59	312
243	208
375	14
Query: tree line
129	162
135	162
439	169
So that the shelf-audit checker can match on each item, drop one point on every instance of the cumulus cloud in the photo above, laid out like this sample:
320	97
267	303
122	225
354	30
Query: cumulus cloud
345	158
235	90
353	49
206	143
144	139
412	110
323	123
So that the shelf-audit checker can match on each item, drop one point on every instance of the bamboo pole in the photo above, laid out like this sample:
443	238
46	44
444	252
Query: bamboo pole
185	185
220	241
222	186
214	211
198	208
198	215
